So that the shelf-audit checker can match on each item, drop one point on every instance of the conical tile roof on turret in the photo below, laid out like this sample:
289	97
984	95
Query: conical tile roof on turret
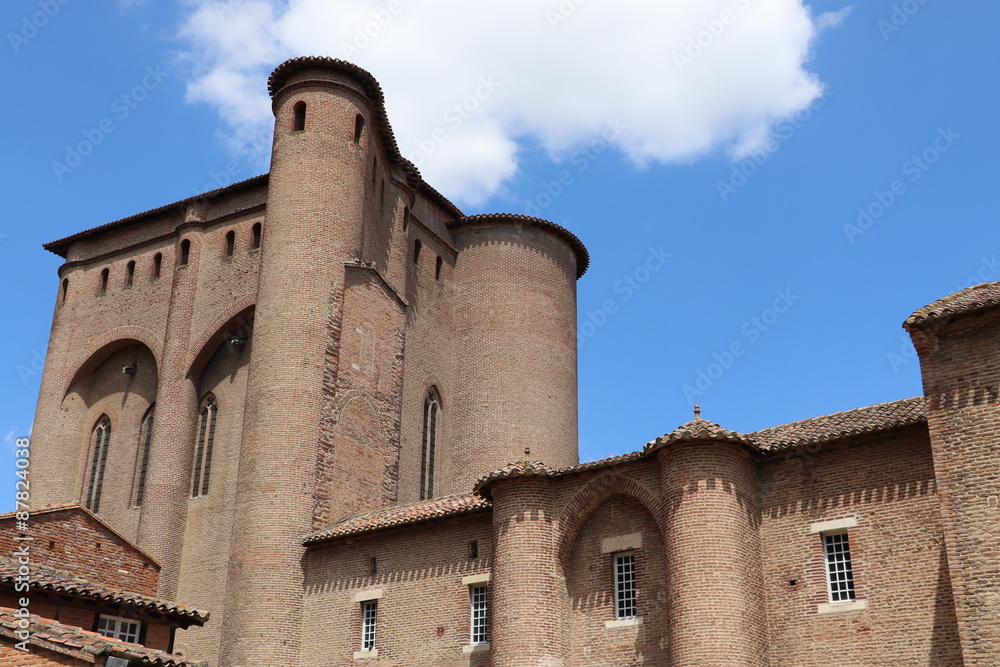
523	468
699	430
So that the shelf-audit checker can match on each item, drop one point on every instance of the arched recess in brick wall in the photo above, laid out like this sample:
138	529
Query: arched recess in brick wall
592	496
234	325
219	371
104	345
119	381
616	605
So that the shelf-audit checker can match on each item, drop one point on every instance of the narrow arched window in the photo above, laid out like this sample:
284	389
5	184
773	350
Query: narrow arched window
185	251
255	243
129	273
359	126
299	123
65	288
145	439
374	169
203	447
230	242
417	245
104	280
100	439
432	408
437	268
157	263
381	198
406	218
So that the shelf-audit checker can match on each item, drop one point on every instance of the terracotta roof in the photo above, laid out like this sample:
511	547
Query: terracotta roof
400	515
374	92
50	579
869	419
610	461
582	256
966	301
86	645
61	246
698	430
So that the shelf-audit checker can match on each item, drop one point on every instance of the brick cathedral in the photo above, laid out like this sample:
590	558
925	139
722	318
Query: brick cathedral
338	418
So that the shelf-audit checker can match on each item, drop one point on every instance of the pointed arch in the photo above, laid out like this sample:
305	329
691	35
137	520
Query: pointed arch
592	496
145	440
429	439
204	444
106	344
100	440
236	322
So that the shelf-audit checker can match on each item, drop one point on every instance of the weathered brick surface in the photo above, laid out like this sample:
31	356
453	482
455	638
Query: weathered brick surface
591	592
72	537
961	378
424	612
38	657
887	484
321	416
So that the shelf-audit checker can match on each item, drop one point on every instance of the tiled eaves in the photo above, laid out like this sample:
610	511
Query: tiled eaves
400	515
61	246
582	255
965	301
49	579
827	428
859	421
83	644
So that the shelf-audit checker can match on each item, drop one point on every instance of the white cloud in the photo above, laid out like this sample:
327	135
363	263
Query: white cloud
684	78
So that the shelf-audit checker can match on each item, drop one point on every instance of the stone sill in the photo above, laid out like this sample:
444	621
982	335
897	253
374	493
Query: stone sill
624	622
841	607
477	648
366	655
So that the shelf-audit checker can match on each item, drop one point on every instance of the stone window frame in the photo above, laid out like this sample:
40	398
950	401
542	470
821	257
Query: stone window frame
476	582
621	546
823	530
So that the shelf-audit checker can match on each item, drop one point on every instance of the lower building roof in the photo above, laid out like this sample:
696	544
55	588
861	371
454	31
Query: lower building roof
82	644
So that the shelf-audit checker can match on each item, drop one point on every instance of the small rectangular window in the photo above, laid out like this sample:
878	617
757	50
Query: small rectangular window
369	612
840	575
479	596
624	586
119	628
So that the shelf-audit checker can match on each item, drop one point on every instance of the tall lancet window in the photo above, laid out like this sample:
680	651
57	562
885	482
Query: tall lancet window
145	438
99	459
203	447
432	414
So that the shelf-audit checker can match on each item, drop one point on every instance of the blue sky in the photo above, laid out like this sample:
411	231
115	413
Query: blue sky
762	213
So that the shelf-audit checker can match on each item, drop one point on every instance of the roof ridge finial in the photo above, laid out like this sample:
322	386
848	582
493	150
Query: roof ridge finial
527	452
697	411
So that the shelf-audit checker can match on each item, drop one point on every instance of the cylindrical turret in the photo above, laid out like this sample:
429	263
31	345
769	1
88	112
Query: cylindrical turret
527	619
514	325
313	226
714	570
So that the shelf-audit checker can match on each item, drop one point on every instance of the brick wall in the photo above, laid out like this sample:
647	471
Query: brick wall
592	636
424	612
38	657
70	540
961	377
887	484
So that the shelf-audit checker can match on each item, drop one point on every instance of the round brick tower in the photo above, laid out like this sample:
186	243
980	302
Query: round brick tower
526	588
313	225
514	327
714	569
